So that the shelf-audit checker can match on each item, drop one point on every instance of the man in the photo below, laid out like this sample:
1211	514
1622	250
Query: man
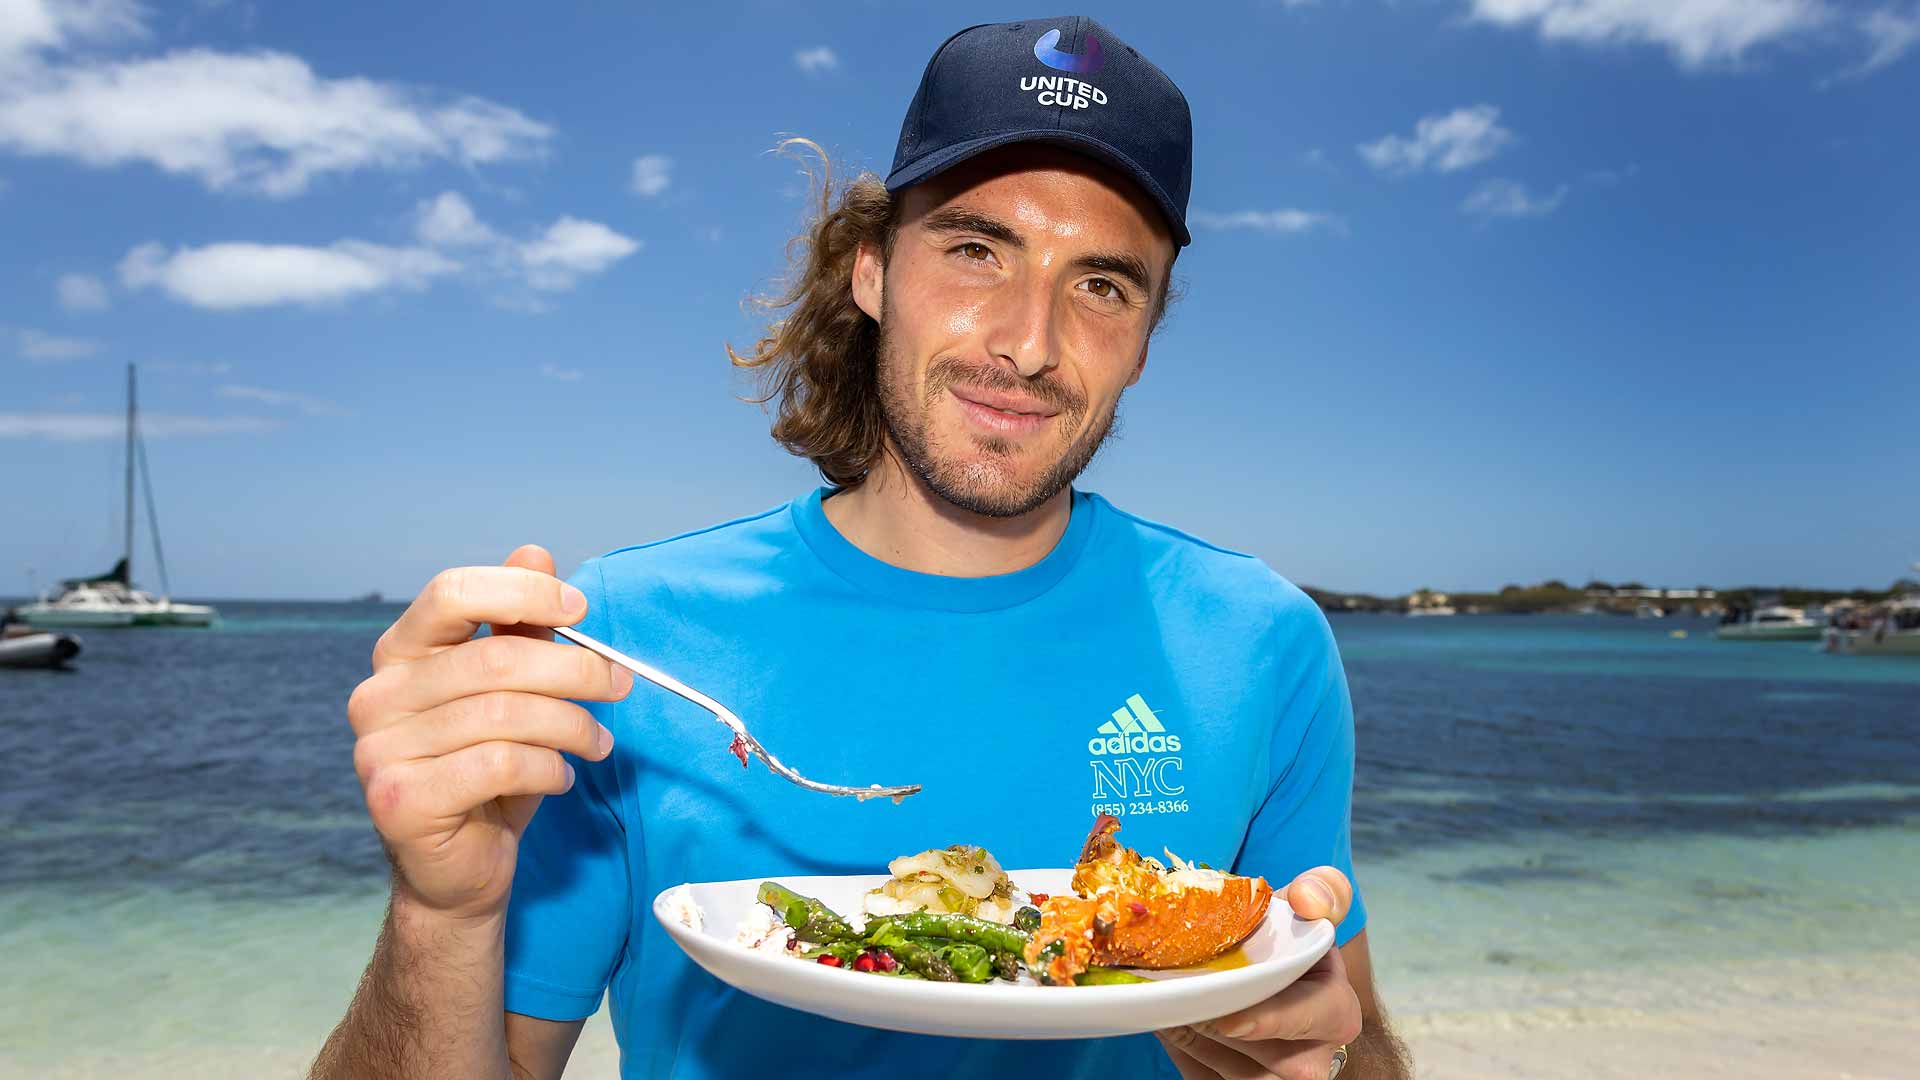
950	612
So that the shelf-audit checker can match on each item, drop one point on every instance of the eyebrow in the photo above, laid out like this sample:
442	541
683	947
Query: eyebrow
1120	265
957	219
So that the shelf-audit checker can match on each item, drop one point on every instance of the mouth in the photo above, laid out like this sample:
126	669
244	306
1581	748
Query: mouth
1006	414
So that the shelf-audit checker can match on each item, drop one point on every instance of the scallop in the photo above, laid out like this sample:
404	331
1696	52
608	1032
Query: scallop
972	870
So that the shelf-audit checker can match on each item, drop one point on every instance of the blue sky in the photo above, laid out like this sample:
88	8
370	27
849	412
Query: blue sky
1481	290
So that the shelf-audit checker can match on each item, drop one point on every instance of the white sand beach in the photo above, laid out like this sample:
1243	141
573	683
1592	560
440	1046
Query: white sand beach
1851	1019
1846	1020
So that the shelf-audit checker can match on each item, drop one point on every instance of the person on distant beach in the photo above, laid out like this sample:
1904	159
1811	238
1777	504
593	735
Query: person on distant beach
949	609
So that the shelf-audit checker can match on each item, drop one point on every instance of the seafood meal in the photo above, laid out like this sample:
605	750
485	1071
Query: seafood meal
953	915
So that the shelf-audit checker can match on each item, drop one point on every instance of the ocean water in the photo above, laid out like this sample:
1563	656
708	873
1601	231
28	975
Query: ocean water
188	885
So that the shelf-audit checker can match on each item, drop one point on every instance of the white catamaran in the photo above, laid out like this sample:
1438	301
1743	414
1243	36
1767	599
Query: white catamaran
110	599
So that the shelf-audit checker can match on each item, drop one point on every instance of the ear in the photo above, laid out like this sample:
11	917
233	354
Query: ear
869	280
1139	366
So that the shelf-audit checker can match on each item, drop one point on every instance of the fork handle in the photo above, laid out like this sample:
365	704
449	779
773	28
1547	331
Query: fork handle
646	671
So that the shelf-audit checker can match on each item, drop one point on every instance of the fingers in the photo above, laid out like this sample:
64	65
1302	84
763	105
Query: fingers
1321	893
1233	1060
484	665
505	716
1320	1006
1188	1066
458	601
417	797
535	558
1212	1058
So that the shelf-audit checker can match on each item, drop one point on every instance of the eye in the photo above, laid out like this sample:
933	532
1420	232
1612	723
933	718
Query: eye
1105	289
974	251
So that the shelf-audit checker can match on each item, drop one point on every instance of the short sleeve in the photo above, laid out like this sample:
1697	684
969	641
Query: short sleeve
571	906
1306	818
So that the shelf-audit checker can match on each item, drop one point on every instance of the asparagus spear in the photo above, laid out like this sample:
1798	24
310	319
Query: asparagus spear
990	935
911	954
970	962
811	920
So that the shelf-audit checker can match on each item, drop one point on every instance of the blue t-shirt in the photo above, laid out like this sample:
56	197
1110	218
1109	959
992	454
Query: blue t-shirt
1188	690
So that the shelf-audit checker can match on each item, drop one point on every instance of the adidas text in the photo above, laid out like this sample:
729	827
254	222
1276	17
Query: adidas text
1137	743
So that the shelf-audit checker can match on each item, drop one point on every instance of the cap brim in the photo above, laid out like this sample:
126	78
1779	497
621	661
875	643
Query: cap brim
948	156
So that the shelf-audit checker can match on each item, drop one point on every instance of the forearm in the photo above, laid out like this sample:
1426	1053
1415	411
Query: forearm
1378	1054
429	1006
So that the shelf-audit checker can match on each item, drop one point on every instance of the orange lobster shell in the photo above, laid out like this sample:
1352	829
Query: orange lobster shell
1126	915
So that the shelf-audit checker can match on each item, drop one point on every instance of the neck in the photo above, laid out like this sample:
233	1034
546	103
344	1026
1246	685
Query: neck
895	518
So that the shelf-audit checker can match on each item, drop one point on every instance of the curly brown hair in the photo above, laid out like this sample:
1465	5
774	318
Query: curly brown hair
818	360
818	363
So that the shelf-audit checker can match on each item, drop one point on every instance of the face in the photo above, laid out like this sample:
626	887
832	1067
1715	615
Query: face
1014	311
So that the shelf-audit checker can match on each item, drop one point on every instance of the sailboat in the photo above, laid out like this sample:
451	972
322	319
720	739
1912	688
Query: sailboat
110	599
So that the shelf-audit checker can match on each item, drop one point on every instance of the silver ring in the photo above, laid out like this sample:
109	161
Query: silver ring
1339	1062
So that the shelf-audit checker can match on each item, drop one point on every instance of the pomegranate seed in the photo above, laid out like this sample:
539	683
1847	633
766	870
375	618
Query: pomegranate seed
1038	898
864	962
793	943
1137	908
829	959
885	960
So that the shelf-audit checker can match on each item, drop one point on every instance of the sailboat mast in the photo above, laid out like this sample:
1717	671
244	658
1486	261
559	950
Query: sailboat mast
128	550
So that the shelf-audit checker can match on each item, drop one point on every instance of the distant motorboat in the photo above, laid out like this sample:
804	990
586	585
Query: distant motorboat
21	647
1773	624
110	599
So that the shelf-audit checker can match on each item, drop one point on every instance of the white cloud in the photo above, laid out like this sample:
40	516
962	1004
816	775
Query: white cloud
30	26
570	248
312	406
553	260
1891	34
80	292
555	371
448	220
242	275
451	239
1457	140
1696	32
651	174
81	427
1510	199
1271	221
815	60
263	122
43	348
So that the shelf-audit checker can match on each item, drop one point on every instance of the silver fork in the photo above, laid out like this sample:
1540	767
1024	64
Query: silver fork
743	741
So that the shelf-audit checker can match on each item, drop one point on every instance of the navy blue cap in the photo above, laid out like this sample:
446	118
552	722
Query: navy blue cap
1068	81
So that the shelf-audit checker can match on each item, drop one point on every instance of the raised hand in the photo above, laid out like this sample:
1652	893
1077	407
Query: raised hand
458	738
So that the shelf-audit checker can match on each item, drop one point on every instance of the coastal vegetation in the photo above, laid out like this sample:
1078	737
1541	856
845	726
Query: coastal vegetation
1600	597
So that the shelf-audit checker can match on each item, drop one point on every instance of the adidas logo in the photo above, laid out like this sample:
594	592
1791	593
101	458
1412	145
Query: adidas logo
1134	729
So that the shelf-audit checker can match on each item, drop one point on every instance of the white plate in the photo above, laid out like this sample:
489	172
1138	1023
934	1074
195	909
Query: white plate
1278	952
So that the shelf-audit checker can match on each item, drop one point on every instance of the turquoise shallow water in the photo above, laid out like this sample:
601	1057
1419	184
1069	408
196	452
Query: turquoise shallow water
187	878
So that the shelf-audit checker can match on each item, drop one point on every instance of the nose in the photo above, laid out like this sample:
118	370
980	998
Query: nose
1019	324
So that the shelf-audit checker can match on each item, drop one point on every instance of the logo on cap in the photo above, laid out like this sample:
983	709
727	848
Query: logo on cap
1084	63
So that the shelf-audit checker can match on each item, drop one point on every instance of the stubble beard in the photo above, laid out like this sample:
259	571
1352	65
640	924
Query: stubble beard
985	482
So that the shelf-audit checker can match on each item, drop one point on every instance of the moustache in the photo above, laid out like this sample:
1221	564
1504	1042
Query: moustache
953	371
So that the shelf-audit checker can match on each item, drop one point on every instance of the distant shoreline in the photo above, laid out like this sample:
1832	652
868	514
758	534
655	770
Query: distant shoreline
1598	598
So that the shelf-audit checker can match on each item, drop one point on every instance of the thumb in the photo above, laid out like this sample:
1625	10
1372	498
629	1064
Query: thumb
527	557
1321	893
